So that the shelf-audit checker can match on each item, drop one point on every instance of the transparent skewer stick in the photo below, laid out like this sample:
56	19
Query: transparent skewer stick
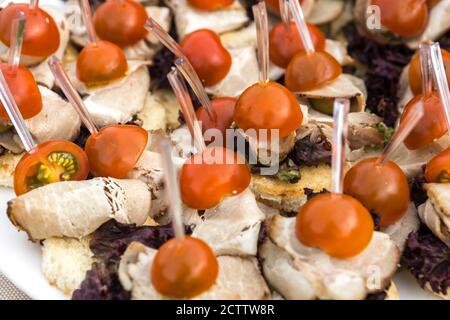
72	95
285	13
179	87
440	79
297	13
340	117
15	49
262	33
426	69
173	189
87	18
34	4
402	132
7	99
183	65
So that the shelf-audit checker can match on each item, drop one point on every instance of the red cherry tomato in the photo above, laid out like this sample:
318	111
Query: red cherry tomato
209	176
25	91
41	37
403	17
115	150
336	223
285	42
415	74
431	127
210	59
381	188
224	108
310	71
101	62
268	106
210	5
183	269
50	162
438	169
121	22
274	5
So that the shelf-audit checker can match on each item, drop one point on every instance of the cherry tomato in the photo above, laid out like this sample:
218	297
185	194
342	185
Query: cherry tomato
210	59
101	62
25	91
310	71
415	74
185	268
336	223
285	42
406	18
381	188
268	106
115	150
224	108
431	127
209	176
50	162
274	5
41	37
438	169
121	22
210	5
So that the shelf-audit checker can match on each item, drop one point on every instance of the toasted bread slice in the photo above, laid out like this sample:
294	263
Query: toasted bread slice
289	197
8	163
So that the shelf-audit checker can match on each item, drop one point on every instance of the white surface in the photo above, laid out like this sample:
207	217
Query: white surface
20	261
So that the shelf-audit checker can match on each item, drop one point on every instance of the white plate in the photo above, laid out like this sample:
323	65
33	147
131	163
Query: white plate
20	261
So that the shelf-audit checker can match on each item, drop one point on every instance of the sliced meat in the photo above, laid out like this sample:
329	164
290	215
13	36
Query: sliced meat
400	231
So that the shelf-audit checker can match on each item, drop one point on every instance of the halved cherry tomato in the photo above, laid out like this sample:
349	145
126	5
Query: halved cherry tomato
50	162
381	188
121	22
210	59
268	106
431	127
309	71
438	169
101	62
41	37
415	74
336	223
185	268
210	5
115	150
285	42
406	18
275	5
25	91
224	108
209	176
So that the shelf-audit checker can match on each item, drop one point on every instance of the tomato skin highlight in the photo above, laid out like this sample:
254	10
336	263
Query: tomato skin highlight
336	223
405	18
224	108
101	62
184	268
208	56
284	42
431	127
25	92
309	71
438	169
210	5
41	37
121	22
381	188
209	176
415	74
27	165
115	150
268	106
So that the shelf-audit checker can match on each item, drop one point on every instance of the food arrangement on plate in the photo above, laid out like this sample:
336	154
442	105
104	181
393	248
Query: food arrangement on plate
224	149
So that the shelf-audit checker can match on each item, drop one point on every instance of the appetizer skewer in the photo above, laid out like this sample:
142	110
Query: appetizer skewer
113	150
